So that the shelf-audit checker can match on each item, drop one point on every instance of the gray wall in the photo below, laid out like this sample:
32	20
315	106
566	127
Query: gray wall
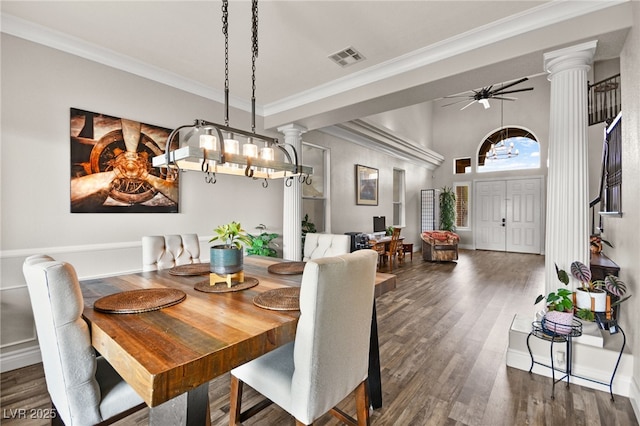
623	231
39	86
349	217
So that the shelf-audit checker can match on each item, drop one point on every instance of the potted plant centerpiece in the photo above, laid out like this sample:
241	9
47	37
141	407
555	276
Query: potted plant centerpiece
559	315
226	258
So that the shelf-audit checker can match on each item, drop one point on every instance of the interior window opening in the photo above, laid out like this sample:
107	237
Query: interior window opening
509	148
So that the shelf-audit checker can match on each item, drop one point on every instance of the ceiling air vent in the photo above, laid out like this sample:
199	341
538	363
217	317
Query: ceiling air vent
346	57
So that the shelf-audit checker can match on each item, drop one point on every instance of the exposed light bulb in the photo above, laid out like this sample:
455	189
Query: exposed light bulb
209	142
232	146
250	150
267	153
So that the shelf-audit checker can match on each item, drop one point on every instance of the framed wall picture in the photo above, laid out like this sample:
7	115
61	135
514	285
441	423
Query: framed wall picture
111	168
366	185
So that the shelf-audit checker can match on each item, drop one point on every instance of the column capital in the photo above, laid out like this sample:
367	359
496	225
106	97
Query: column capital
292	129
575	57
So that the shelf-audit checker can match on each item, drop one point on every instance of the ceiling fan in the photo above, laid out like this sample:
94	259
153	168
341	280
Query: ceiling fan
484	94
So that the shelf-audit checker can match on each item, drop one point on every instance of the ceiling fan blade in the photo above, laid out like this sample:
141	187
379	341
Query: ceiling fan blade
503	92
502	98
467	94
457	102
468	105
513	83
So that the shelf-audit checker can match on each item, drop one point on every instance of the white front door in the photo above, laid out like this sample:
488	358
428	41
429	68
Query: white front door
490	215
523	216
508	215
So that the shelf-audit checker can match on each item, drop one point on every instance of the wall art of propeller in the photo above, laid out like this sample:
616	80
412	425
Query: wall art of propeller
483	95
111	168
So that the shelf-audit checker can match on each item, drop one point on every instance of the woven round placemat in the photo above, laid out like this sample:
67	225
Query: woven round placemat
287	268
279	299
190	269
138	301
221	287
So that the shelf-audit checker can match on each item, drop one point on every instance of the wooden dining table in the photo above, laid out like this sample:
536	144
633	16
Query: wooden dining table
169	355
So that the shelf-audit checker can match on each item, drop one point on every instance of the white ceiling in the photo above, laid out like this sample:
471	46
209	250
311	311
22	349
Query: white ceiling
415	50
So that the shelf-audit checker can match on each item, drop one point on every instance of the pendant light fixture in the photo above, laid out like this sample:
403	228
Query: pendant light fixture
217	147
501	149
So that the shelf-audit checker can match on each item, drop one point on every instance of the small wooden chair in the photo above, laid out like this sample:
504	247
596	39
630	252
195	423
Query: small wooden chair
391	254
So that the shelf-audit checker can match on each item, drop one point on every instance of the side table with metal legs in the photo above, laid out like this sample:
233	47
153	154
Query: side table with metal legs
539	330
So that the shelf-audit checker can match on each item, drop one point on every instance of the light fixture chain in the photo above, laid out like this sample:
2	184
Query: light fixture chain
225	31
254	55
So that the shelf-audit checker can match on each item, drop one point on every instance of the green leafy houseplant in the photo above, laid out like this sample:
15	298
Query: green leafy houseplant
611	284
560	300
559	316
226	258
308	227
231	235
260	244
447	209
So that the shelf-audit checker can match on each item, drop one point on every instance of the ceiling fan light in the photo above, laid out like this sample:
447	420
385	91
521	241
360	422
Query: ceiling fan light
485	103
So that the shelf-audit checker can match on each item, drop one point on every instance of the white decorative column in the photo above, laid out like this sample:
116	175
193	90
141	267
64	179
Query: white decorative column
292	204
567	228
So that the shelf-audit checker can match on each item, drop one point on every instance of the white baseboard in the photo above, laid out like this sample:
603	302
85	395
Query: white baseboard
19	358
522	361
634	397
592	362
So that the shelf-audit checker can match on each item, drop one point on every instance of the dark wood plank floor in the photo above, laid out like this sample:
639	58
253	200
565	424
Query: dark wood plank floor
443	339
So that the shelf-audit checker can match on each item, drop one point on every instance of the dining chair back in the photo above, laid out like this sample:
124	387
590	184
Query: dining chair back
167	251
84	389
394	247
325	245
329	358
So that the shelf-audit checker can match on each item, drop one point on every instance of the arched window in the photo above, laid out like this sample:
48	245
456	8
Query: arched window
509	148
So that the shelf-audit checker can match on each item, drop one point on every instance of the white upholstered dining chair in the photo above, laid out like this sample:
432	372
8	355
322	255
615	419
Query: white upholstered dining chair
167	251
84	389
325	245
329	358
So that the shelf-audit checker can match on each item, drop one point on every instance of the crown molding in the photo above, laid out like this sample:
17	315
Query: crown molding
75	46
372	136
533	19
536	18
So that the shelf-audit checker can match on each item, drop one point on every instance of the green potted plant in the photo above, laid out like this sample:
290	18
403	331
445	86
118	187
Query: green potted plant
226	258
589	290
308	227
559	303
447	209
260	244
